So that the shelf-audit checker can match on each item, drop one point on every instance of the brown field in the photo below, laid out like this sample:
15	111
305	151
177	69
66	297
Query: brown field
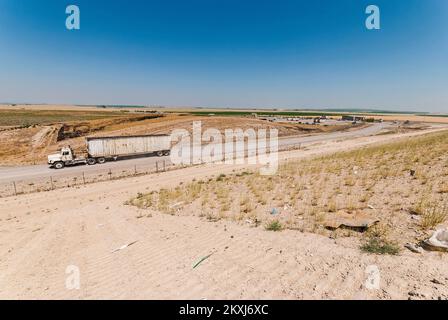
412	118
386	117
28	135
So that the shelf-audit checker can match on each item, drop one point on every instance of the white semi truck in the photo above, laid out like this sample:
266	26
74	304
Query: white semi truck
102	149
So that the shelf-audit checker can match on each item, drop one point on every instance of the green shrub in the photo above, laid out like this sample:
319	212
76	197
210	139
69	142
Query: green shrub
378	245
274	226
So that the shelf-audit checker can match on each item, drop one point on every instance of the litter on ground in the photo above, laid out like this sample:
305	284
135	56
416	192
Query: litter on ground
124	246
414	248
357	221
438	241
202	260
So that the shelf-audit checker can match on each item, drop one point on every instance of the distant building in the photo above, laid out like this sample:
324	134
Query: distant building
352	118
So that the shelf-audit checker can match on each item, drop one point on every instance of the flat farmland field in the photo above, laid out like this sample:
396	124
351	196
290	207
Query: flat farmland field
29	133
29	117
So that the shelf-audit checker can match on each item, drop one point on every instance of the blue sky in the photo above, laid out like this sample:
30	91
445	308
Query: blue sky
227	53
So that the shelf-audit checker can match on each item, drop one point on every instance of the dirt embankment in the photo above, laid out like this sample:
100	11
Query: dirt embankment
31	144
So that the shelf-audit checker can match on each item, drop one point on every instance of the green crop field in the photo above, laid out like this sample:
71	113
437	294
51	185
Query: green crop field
39	117
263	113
269	113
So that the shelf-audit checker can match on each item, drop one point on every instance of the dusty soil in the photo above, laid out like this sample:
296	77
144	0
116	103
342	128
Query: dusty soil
31	144
403	186
42	234
28	133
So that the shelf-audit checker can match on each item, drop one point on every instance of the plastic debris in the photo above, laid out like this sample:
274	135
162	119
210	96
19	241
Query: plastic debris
176	205
202	260
414	248
274	211
124	246
438	241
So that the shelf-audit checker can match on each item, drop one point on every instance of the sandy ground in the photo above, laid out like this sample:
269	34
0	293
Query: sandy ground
42	234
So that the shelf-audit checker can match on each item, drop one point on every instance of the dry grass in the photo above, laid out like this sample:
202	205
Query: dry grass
378	241
433	210
376	180
434	215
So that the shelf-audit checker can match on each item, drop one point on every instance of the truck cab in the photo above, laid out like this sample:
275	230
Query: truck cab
61	159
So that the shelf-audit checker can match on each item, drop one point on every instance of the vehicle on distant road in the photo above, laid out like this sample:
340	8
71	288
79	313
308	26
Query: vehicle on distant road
102	149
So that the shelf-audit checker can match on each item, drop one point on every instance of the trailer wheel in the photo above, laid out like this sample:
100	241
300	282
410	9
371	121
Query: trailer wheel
101	160
159	153
166	153
59	165
91	161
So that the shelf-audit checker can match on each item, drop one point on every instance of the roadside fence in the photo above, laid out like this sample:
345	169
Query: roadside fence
58	181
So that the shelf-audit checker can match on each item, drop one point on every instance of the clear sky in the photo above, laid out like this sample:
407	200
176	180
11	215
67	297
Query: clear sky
227	53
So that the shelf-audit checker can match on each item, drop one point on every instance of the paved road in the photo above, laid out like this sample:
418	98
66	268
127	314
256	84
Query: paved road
9	174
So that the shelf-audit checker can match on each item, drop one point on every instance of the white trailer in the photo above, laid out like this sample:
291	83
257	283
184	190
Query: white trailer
101	149
110	147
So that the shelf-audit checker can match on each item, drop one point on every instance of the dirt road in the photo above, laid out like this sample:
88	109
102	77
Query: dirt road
43	234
